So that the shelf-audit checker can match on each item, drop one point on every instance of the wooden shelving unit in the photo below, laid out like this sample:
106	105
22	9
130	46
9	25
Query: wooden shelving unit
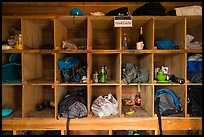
41	77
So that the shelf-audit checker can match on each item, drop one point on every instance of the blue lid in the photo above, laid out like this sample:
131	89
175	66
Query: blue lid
6	112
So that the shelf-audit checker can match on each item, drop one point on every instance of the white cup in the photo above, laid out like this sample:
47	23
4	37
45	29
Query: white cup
140	45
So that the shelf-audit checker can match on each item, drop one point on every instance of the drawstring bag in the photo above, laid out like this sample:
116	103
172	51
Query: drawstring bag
165	44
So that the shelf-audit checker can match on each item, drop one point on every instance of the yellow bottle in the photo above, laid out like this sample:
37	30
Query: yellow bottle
19	43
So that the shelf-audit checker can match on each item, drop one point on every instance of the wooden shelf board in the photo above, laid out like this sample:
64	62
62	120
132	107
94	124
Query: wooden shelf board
40	81
39	51
139	111
46	113
72	84
104	51
13	51
193	51
109	82
72	51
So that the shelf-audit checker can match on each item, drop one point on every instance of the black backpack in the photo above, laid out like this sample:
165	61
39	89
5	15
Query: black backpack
151	8
166	103
73	105
120	11
194	106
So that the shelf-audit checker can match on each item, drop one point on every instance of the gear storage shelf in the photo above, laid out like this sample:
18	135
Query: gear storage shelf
179	91
146	107
98	90
41	77
146	22
172	28
175	63
33	96
111	61
72	29
82	57
194	28
38	33
12	99
102	34
62	90
38	68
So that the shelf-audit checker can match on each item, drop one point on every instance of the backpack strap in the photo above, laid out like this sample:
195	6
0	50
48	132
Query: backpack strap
156	107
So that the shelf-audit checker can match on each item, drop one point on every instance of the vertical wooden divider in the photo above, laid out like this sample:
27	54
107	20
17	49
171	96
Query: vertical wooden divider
89	64
185	101
148	33
22	68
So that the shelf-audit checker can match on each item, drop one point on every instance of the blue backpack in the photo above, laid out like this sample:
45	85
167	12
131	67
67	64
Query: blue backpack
166	103
70	69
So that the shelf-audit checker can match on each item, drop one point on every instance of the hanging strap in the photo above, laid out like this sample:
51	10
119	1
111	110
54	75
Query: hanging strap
67	125
157	100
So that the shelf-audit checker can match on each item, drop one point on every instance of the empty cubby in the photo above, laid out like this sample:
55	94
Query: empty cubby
38	33
102	34
12	99
72	29
38	68
33	96
172	28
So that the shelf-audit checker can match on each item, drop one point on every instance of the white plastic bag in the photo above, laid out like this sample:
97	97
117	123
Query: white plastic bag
105	106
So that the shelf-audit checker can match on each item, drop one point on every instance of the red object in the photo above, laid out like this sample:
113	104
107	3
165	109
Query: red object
137	100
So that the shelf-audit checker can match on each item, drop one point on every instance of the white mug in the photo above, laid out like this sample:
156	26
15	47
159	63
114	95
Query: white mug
140	45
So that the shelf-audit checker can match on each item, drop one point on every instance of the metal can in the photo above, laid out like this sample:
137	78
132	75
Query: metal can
95	77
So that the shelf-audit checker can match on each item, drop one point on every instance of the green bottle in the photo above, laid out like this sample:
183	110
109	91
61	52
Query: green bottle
103	73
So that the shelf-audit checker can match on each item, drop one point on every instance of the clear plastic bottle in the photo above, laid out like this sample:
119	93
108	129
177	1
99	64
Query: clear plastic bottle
125	41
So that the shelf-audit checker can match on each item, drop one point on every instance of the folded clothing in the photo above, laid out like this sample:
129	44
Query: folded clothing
195	77
189	10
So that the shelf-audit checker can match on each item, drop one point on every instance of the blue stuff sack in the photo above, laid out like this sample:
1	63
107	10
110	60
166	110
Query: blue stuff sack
165	44
194	66
67	63
70	69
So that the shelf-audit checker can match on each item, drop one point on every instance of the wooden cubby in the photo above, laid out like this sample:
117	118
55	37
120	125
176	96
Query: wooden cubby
38	68
194	27
133	32
179	91
12	99
37	33
141	60
41	79
62	90
111	61
146	93
8	24
102	34
172	28
72	28
98	90
174	62
82	57
33	95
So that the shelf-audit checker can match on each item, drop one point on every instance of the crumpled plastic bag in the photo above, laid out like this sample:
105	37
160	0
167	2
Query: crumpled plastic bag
105	106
